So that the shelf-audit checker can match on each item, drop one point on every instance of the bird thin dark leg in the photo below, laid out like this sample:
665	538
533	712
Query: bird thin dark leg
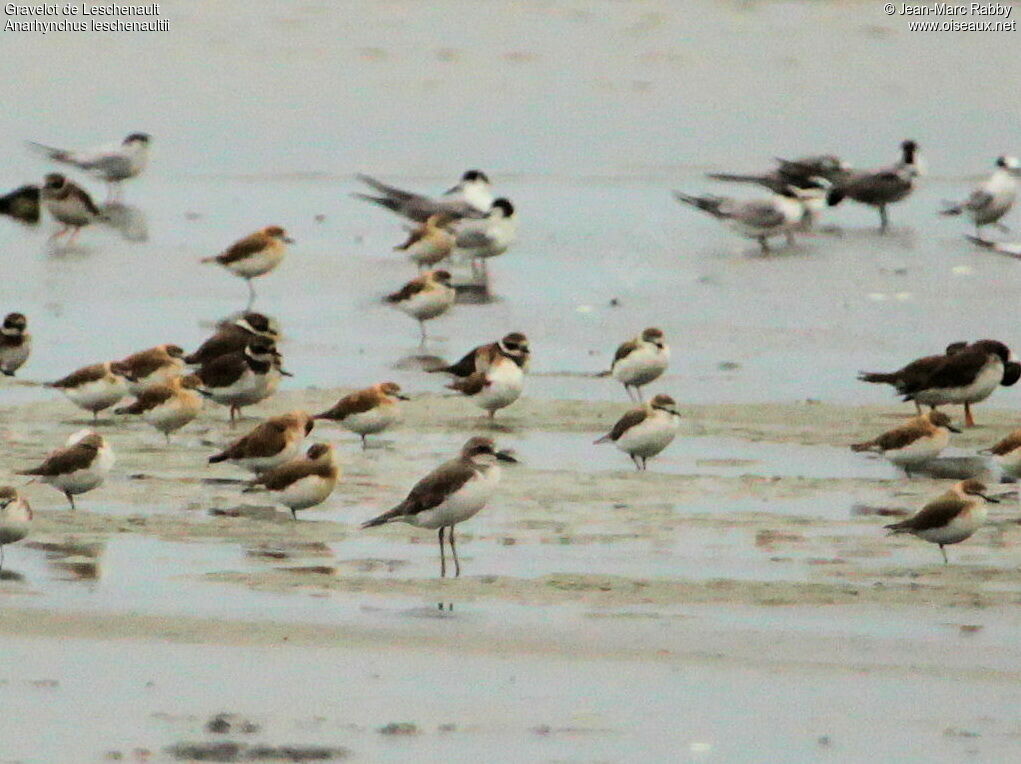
364	444
638	464
944	552
70	498
883	220
443	559
1	557
251	294
453	548
294	513
969	420
421	331
764	243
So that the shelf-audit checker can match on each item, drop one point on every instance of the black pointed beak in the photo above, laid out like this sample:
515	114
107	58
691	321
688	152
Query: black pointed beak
992	499
400	397
285	373
287	239
953	429
506	456
452	189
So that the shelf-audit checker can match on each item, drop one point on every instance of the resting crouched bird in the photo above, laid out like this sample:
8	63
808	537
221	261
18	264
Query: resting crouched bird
914	443
303	482
15	518
368	411
644	432
450	494
950	518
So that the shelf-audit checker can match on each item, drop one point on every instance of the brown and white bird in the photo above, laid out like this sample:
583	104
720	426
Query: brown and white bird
513	345
303	482
452	493
94	388
912	444
69	204
1007	454
255	255
81	465
232	336
243	378
368	411
168	407
967	374
151	367
430	242
492	376
424	298
950	518
644	432
15	518
15	343
641	360
268	445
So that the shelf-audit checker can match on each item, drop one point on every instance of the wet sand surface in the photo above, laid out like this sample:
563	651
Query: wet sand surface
738	602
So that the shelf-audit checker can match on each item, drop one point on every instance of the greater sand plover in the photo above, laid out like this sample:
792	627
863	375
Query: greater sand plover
452	493
255	255
912	444
1007	454
303	482
430	242
168	407
94	388
950	518
644	432
368	411
81	465
424	298
151	367
269	444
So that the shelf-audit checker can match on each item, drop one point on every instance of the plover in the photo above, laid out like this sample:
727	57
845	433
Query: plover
112	163
967	376
491	236
801	173
1007	454
168	407
514	346
472	196
993	198
22	204
303	482
70	204
232	336
644	432
243	378
268	445
780	215
254	255
913	443
914	374
452	493
424	298
639	361
430	242
15	343
81	465
499	376
368	411
880	188
151	367
950	518
94	388
15	518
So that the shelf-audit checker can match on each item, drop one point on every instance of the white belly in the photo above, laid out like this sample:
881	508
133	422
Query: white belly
259	263
985	382
428	304
69	211
11	359
11	531
1010	463
961	527
98	395
372	421
174	413
464	504
78	481
650	437
642	366
922	450
307	492
506	381
430	251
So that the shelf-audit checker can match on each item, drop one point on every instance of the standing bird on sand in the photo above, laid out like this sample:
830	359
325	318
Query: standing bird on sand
644	432
303	482
992	199
168	407
15	518
424	298
489	237
254	255
965	375
243	378
493	376
270	444
94	388
472	196
15	343
639	361
78	467
950	518
232	336
430	242
513	345
368	411
452	493
69	204
914	443
112	163
883	187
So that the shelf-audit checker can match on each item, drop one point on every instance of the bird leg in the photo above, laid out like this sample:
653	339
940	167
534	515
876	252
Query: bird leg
453	548
883	220
638	394
764	243
443	559
638	464
944	552
70	498
1	557
364	444
969	420
294	513
421	330
60	233
251	295
74	234
918	408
